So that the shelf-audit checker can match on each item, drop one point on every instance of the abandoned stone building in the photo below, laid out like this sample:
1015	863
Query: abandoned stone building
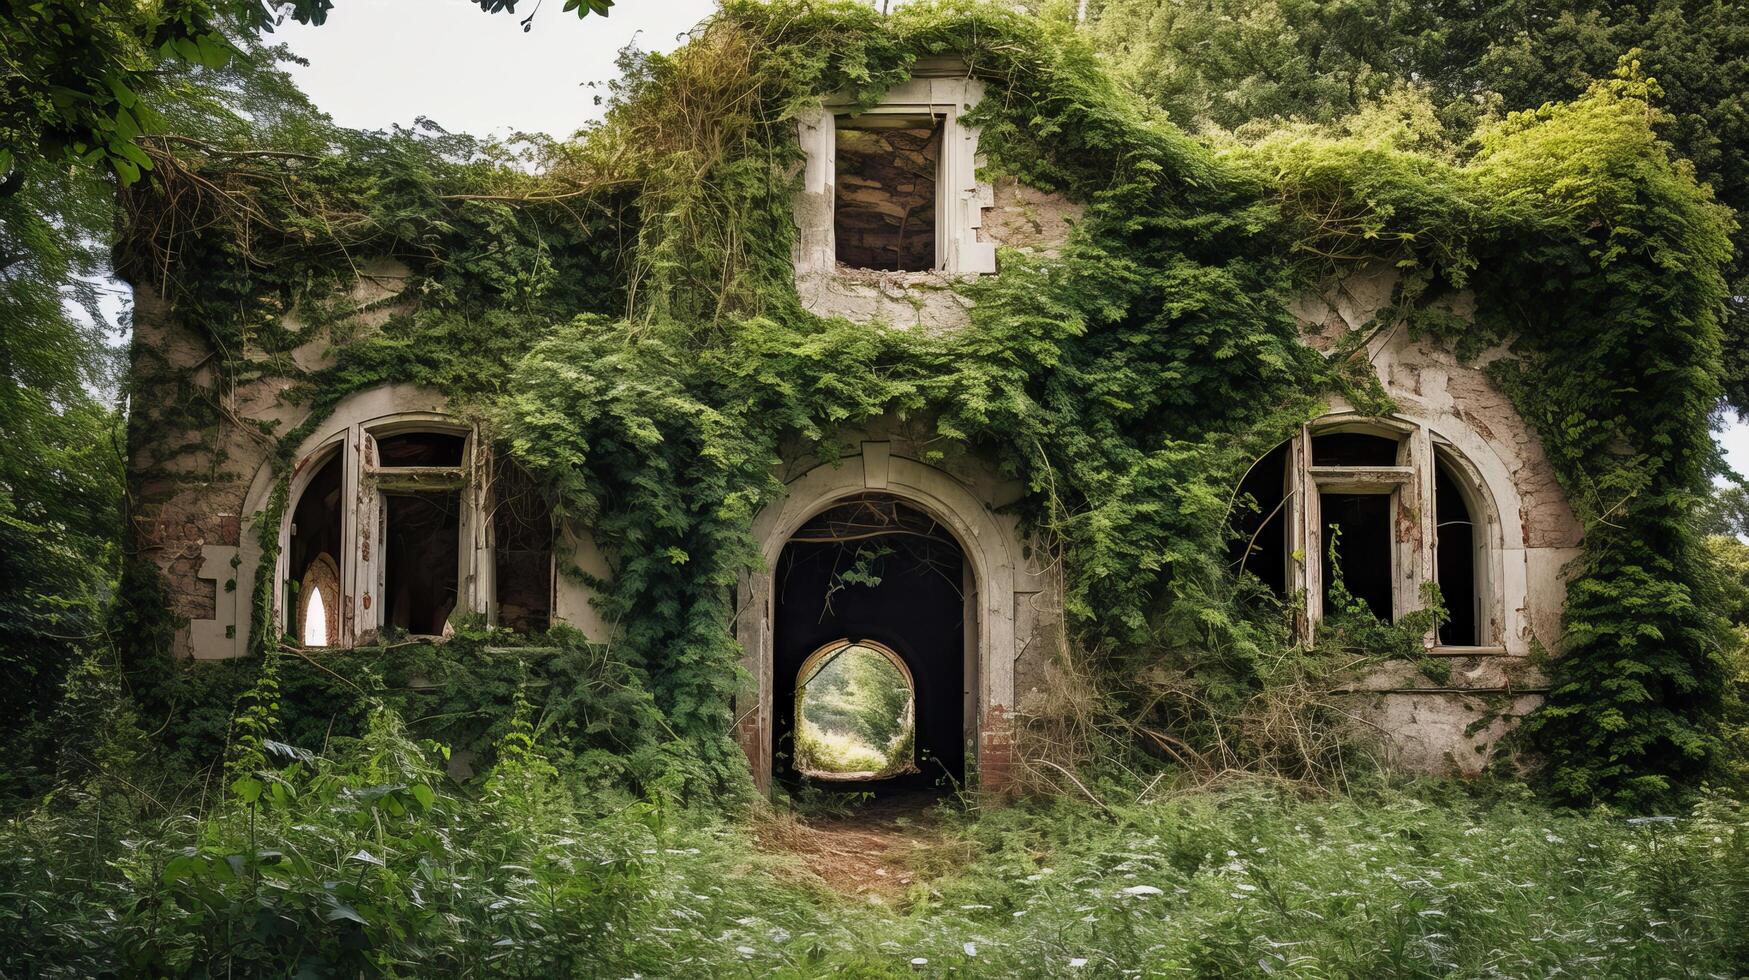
398	516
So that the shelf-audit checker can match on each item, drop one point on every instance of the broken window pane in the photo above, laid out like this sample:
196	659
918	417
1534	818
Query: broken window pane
422	560
1359	527
884	209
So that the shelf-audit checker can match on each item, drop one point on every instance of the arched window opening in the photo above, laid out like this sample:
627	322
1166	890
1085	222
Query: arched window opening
1359	515
1455	559
316	620
855	713
317	533
1260	516
399	522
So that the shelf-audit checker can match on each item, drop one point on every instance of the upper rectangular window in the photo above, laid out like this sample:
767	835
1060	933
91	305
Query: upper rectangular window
884	210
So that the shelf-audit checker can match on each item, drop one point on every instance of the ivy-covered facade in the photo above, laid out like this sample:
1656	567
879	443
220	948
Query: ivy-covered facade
1415	440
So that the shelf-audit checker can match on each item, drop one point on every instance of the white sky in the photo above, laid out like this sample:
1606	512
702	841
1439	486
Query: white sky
380	62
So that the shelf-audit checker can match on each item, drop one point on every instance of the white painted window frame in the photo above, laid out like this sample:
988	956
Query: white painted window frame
959	198
361	559
1414	553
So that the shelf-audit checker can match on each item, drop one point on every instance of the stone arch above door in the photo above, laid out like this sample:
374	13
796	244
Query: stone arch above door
1005	580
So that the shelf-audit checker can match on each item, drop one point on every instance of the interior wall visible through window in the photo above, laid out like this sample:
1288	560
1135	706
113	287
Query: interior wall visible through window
885	196
317	530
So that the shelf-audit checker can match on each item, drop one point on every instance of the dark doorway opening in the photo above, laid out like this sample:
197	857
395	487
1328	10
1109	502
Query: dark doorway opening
1455	541
1357	546
884	206
874	570
422	564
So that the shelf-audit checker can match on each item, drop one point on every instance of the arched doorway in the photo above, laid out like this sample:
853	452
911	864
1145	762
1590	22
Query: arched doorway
1001	604
874	573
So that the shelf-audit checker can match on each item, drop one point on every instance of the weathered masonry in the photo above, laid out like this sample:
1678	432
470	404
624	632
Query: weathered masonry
399	516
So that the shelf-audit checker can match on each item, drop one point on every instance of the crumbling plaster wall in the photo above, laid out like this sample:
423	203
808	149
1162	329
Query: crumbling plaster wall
1453	724
1017	216
200	455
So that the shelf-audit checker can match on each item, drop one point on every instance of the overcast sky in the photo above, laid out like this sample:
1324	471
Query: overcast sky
377	62
380	62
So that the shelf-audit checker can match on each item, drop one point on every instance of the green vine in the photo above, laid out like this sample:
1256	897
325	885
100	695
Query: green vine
628	323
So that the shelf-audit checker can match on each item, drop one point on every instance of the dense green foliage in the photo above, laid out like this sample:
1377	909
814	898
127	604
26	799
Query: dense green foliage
364	859
81	80
1445	71
1128	382
60	467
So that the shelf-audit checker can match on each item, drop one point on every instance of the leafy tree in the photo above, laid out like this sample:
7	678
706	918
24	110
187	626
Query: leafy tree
60	471
79	79
1219	64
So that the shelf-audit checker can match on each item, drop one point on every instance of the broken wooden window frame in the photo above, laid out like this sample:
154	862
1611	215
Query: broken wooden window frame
365	482
941	90
1409	483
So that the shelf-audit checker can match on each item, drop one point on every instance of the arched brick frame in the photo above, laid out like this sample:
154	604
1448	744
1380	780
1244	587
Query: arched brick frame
993	553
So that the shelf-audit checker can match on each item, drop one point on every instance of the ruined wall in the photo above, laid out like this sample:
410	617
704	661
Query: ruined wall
201	450
1014	215
1453	724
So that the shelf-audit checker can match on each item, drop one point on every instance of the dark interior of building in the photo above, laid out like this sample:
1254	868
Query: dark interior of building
1363	548
884	204
522	539
873	568
421	449
1259	544
422	561
1354	449
1456	560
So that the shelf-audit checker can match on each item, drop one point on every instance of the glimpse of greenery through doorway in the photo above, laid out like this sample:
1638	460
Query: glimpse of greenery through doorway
856	710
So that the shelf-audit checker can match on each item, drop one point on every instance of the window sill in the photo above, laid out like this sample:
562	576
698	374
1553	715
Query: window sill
1457	651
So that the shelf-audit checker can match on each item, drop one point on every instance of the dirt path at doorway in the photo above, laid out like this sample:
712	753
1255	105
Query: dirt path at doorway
877	851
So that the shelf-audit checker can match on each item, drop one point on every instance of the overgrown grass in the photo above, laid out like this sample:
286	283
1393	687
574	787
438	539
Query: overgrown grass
830	751
366	859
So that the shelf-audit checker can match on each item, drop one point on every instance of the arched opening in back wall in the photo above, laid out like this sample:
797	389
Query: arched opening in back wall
873	573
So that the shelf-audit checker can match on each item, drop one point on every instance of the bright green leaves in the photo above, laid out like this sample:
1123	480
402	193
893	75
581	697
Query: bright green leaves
586	7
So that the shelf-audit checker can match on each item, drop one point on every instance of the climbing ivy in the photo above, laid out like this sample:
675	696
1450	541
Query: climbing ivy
626	323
